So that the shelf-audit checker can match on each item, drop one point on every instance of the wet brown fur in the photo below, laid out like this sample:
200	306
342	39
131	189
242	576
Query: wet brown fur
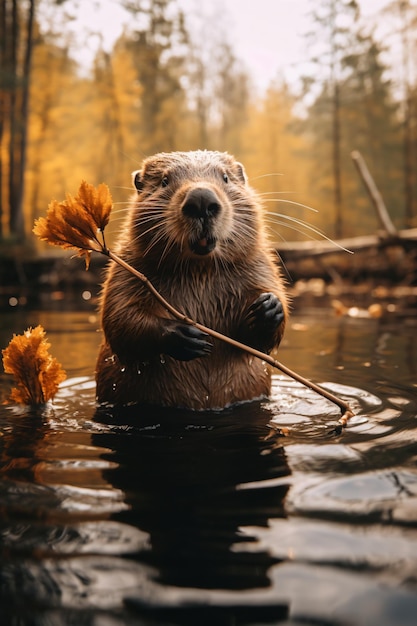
215	289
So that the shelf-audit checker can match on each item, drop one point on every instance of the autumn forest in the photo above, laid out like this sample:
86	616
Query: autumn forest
161	88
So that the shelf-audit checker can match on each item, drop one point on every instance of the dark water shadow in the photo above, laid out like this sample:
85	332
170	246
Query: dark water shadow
192	481
172	548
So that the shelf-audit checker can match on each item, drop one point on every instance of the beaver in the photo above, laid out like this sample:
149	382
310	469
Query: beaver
195	228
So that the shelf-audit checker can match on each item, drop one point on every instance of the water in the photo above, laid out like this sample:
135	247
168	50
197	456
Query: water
172	517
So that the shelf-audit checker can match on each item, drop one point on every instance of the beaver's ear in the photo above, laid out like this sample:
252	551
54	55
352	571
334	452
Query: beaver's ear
240	171
137	180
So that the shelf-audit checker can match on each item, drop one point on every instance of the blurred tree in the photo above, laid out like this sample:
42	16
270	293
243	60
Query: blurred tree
200	91
369	122
404	16
115	102
217	86
275	156
108	119
333	36
53	73
167	86
232	97
16	47
158	44
371	118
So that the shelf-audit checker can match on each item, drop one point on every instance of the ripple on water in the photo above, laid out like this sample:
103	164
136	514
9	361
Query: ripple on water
40	502
385	496
318	525
101	536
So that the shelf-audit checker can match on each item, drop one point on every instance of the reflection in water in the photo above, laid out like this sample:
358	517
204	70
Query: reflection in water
146	516
174	495
186	473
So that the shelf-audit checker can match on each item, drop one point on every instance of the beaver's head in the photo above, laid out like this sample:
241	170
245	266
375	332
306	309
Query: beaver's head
194	205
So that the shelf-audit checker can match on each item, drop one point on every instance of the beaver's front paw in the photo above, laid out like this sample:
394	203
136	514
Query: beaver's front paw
185	342
263	319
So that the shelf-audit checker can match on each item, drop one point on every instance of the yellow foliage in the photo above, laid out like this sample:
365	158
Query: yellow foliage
36	373
274	154
54	148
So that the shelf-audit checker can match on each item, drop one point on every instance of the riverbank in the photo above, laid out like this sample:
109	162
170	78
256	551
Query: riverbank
47	281
61	281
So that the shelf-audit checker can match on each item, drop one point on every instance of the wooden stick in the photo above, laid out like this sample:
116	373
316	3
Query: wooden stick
344	406
374	193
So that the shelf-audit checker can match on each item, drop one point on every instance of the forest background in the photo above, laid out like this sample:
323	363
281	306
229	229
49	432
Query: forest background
162	87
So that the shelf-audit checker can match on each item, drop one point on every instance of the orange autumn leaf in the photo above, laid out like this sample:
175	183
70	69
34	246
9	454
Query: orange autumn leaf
76	222
97	202
36	373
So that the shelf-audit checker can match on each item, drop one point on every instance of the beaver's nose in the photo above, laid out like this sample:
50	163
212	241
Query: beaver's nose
201	202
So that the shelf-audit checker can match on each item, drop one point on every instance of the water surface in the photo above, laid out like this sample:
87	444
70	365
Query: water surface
258	514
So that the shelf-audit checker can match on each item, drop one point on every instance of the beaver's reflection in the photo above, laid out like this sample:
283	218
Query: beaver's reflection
192	481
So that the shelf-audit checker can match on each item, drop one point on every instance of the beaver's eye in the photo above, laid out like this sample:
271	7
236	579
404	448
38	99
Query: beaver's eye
164	181
225	178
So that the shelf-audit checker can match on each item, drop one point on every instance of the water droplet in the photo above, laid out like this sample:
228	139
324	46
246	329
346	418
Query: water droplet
114	386
162	359
110	359
123	369
138	371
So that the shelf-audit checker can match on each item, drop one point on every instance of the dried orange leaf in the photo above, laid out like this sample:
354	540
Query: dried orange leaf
98	203
36	373
75	222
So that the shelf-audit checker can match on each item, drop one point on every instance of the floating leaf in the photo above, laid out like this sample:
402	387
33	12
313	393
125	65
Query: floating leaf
36	373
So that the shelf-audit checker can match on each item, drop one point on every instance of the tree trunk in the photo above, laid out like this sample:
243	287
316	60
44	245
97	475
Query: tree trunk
14	107
24	114
336	163
3	31
13	115
407	124
335	95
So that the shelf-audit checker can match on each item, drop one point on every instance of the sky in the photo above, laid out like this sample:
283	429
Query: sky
267	35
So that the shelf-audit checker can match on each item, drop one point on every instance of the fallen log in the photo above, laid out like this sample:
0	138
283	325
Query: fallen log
297	249
388	256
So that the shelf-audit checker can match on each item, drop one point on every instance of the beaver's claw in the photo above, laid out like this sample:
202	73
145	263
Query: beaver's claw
265	315
185	342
